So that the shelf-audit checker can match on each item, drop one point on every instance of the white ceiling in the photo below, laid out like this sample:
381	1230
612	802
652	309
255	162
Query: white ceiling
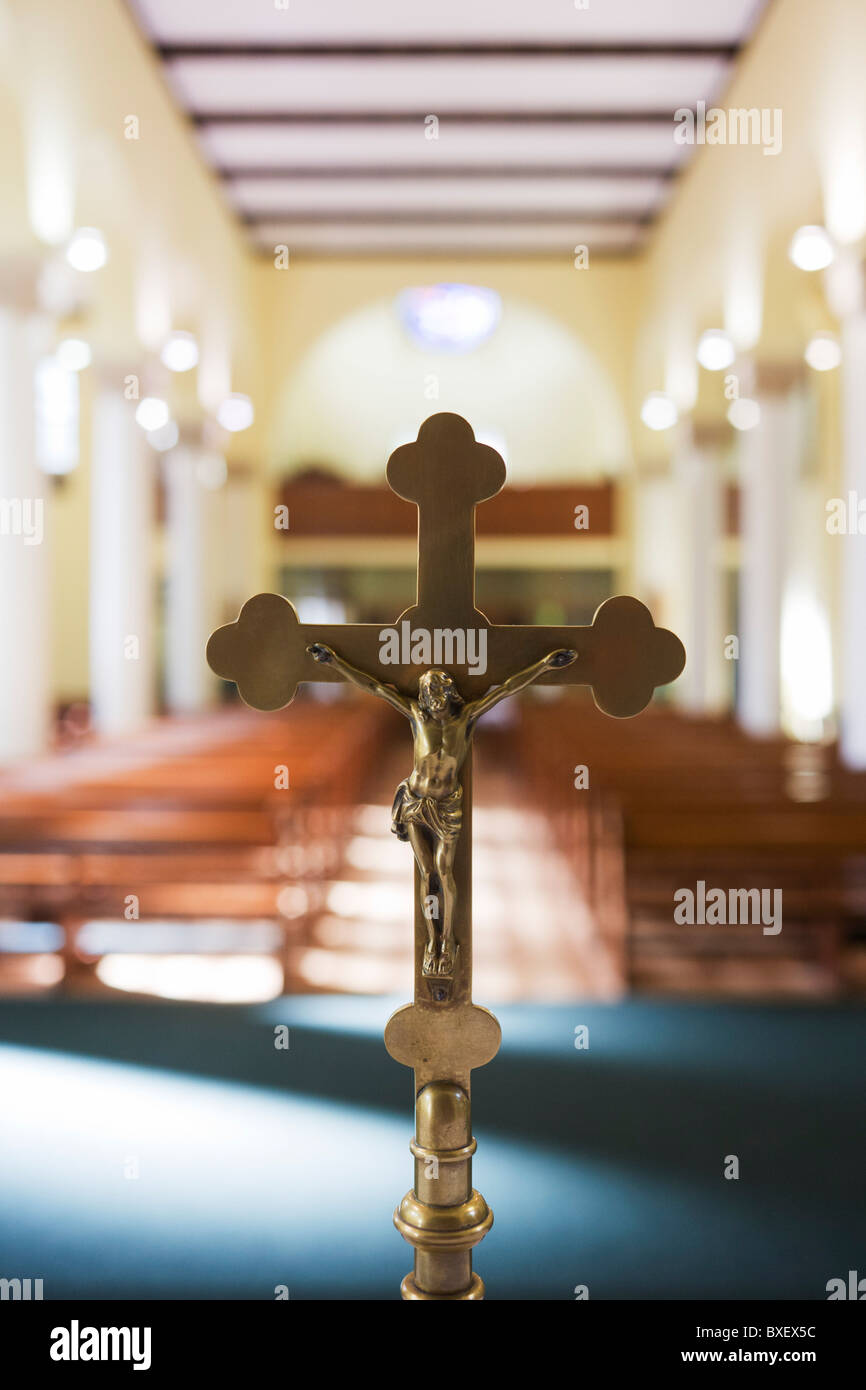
447	21
402	83
309	237
555	123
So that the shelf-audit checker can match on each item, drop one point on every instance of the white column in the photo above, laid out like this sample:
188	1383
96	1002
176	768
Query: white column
698	477
852	733
190	606
656	547
239	504
121	592
768	456
25	639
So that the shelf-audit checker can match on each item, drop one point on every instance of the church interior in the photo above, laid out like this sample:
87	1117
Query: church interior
245	252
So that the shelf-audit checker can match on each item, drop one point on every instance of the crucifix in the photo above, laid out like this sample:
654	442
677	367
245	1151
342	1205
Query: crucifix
442	666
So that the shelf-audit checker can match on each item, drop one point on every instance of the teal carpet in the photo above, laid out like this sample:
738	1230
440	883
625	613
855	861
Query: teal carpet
155	1150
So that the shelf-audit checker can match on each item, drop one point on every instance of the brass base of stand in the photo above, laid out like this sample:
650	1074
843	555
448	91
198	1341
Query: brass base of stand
443	1217
411	1293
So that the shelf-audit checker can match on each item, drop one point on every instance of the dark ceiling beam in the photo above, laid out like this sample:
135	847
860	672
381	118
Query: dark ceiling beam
573	118
171	52
482	217
441	171
455	252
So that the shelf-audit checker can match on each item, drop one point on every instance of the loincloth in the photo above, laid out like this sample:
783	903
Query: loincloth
443	817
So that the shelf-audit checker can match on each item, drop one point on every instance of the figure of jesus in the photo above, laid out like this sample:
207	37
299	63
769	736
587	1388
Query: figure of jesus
428	809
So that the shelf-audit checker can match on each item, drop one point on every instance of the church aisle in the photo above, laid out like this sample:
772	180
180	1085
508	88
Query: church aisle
176	1153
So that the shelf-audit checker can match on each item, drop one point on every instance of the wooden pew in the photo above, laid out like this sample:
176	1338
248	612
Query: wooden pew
701	801
190	832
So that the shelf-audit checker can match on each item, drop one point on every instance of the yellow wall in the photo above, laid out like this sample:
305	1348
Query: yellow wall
71	75
588	314
735	208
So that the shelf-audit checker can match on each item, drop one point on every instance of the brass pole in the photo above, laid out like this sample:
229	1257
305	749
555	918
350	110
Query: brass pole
443	1036
443	1217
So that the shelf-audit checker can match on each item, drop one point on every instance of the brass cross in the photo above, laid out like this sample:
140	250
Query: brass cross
623	656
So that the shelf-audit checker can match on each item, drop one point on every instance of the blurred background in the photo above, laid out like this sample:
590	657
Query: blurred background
244	252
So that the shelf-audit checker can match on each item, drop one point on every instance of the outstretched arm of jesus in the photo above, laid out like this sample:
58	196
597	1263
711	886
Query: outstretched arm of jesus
328	657
519	681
